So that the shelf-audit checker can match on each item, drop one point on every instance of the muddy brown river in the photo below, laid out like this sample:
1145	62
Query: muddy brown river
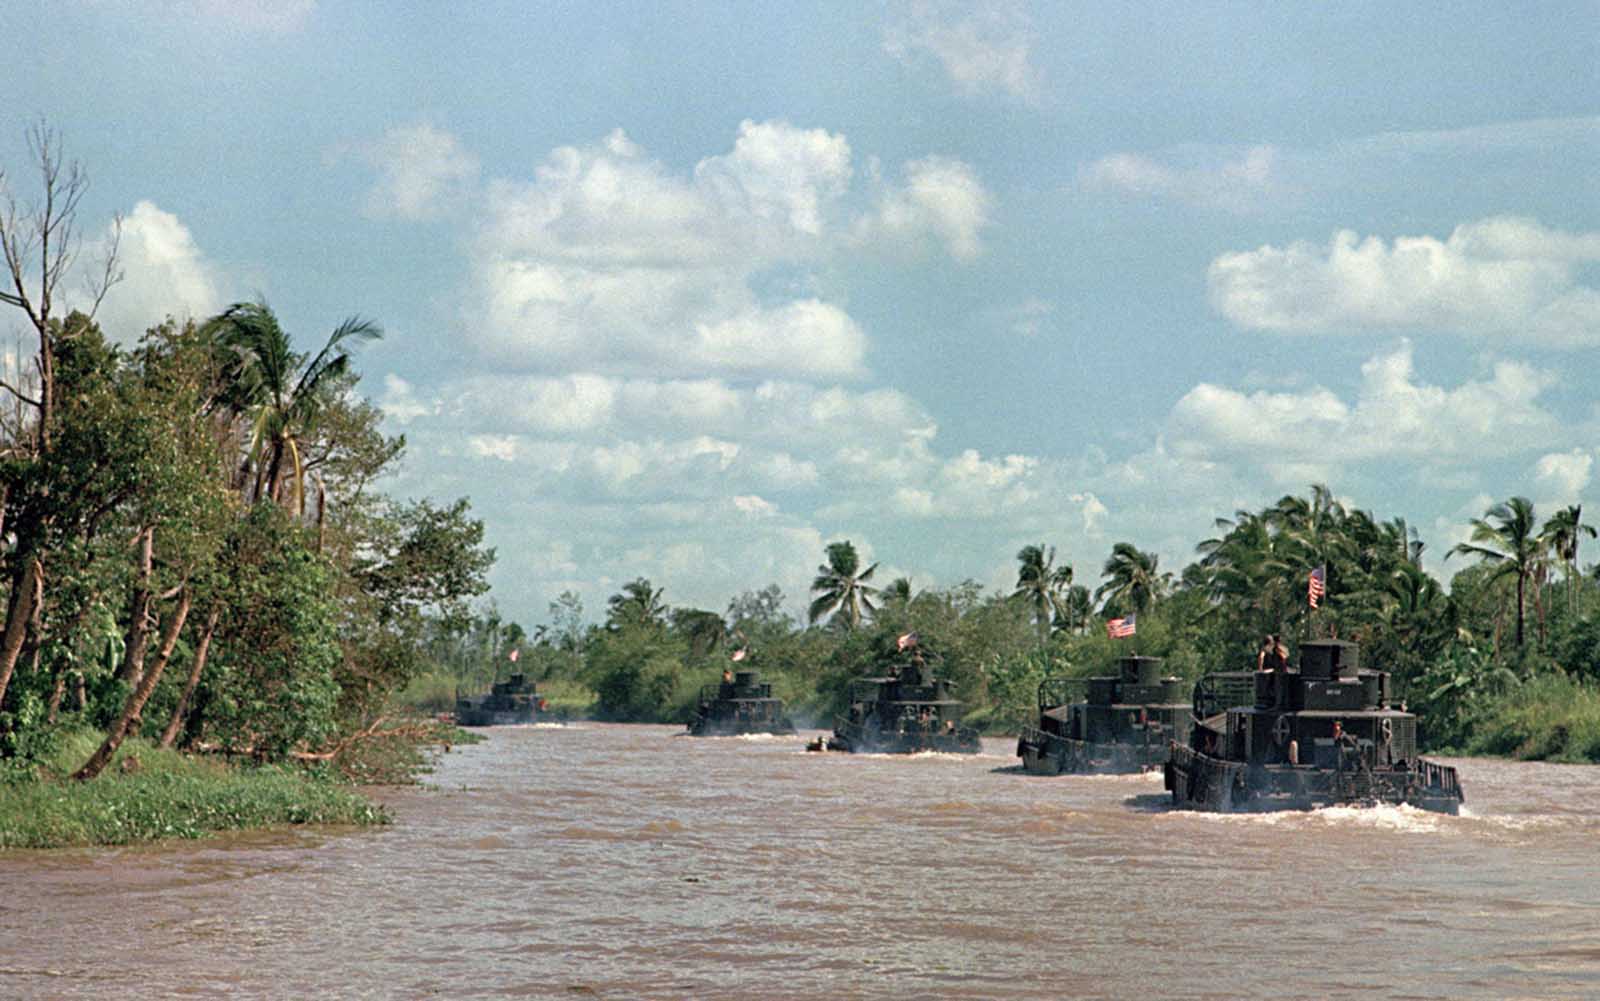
629	862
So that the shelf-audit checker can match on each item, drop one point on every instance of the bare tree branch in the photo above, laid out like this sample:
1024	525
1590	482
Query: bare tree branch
18	393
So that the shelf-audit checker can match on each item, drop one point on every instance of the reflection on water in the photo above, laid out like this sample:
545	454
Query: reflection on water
628	862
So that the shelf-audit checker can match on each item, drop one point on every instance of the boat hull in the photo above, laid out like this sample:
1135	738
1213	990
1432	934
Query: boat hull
1199	781
859	741
704	727
495	717
1044	753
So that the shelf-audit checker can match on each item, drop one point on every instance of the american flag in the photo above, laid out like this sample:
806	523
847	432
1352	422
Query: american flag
1118	628
1316	587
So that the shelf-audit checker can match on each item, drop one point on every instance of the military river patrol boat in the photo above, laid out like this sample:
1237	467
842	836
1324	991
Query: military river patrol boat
739	704
514	700
1106	725
1323	735
903	712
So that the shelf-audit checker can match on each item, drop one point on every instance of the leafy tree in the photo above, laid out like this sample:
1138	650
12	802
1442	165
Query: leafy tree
566	613
759	609
424	557
420	562
272	687
841	587
38	245
635	668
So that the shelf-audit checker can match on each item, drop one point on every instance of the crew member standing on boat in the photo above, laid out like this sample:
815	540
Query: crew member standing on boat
1273	655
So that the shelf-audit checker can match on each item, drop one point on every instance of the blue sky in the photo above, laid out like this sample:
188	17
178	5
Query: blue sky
688	291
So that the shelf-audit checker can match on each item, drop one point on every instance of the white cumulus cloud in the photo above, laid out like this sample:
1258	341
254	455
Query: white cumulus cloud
1393	416
607	260
942	199
1505	278
164	274
1564	476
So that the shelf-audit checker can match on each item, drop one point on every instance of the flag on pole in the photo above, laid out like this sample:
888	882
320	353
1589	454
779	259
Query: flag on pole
1316	586
1120	628
738	654
906	641
512	656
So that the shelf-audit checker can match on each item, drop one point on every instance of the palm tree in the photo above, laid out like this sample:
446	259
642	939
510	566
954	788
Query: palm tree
1249	574
1041	585
1135	582
1563	532
840	589
1077	606
637	604
1511	543
1404	537
897	595
279	390
705	630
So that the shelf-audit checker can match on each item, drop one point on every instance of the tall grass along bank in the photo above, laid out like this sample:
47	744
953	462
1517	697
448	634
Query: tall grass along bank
150	794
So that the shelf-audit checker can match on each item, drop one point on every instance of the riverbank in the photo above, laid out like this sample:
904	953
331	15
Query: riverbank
150	794
1547	718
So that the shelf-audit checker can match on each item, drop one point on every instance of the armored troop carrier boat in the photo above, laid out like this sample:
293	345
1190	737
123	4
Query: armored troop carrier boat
741	703
1121	723
903	712
514	700
1322	735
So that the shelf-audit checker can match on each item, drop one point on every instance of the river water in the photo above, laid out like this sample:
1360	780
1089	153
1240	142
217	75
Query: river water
630	862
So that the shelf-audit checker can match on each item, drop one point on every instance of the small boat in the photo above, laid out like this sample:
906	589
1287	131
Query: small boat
1322	735
514	700
1106	725
741	704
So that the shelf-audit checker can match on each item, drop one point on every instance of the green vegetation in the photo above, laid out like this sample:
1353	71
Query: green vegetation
1550	718
195	557
150	793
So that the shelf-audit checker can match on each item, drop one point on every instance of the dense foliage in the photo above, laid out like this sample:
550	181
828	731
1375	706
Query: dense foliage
187	594
194	554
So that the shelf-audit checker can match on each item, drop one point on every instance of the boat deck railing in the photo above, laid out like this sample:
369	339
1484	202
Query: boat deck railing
1224	690
1440	777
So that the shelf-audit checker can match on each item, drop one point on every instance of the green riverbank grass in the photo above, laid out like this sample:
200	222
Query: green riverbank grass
1548	718
567	699
148	794
436	693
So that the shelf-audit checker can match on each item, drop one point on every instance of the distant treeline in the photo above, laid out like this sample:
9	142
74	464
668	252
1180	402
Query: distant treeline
1506	662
